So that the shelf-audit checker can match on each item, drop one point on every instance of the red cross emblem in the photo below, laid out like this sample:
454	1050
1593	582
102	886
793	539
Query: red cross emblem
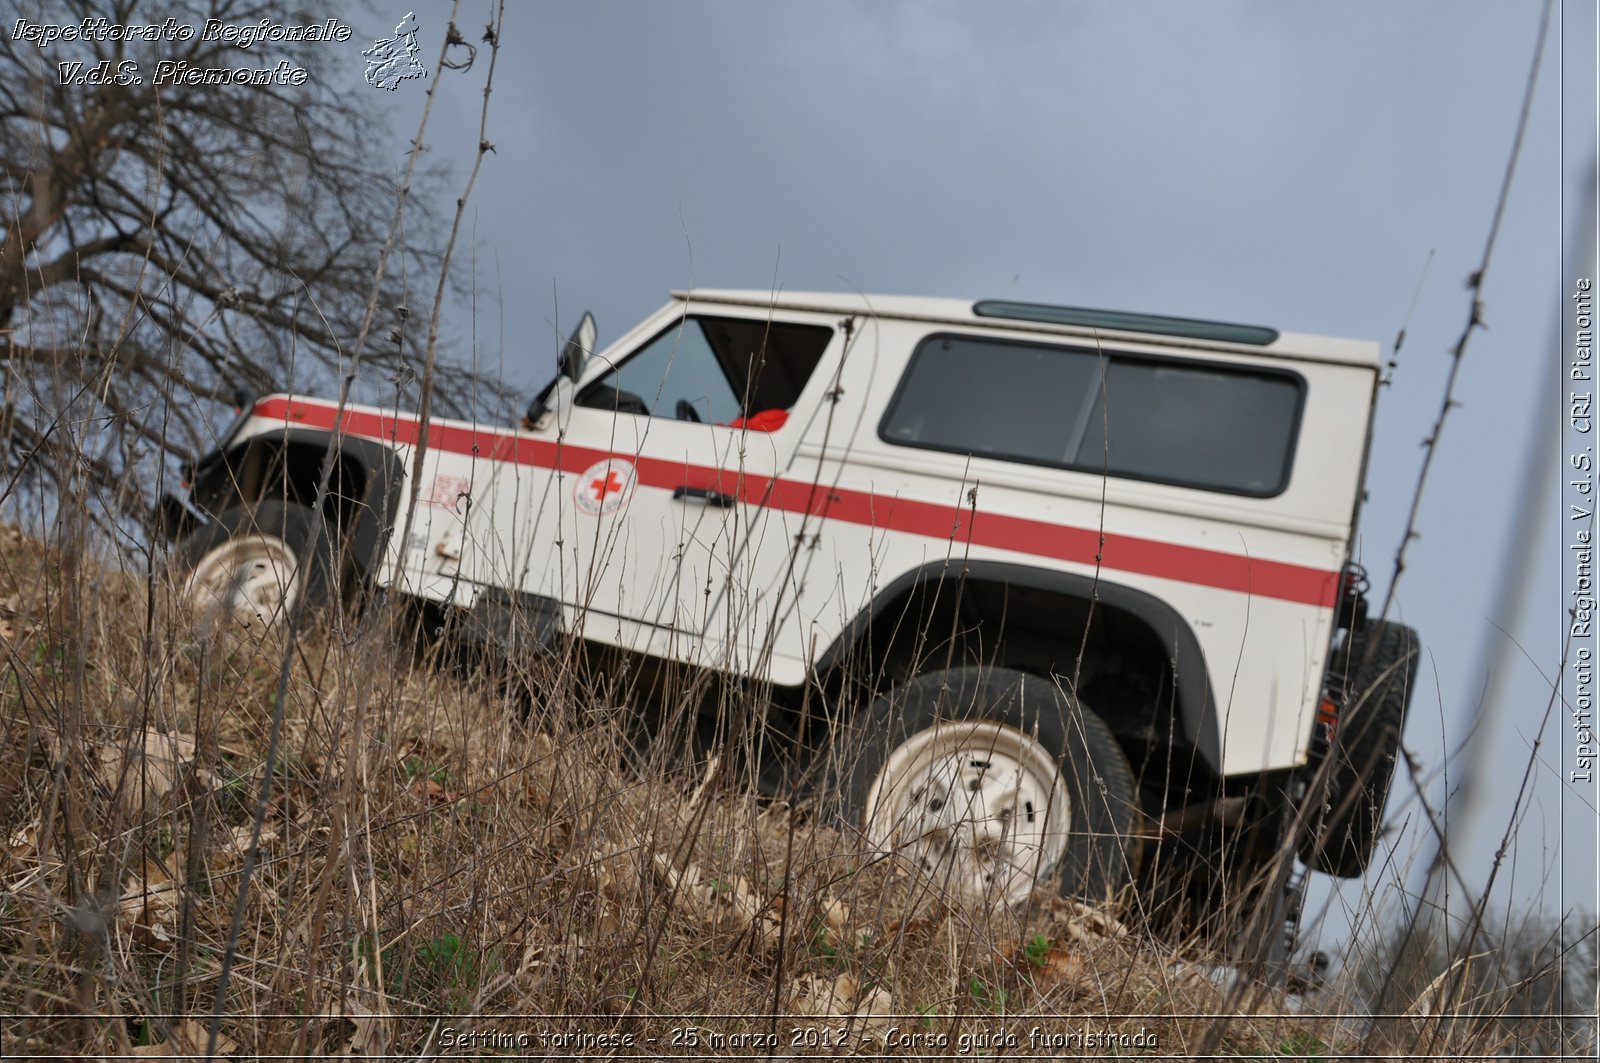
601	487
605	486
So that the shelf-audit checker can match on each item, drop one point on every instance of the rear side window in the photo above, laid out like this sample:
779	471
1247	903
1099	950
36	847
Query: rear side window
1168	420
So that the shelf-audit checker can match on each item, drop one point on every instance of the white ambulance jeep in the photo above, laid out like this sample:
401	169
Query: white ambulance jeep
1042	585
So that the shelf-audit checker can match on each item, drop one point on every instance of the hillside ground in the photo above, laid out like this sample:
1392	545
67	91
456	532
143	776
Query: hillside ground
403	858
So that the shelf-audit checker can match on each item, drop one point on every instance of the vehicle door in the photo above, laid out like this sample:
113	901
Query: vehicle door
668	457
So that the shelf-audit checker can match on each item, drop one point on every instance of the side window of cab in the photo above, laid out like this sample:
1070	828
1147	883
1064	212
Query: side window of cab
743	372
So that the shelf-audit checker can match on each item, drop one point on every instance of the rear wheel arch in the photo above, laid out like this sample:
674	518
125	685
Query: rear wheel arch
932	596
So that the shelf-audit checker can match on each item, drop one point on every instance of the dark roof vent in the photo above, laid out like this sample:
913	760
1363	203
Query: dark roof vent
1189	328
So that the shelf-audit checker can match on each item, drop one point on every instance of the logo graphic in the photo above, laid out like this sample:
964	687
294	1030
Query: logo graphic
449	492
395	60
605	486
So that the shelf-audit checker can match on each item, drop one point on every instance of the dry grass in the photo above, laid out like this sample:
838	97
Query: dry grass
433	866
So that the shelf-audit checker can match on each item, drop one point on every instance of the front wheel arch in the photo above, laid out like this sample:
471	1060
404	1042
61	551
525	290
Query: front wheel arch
251	563
285	464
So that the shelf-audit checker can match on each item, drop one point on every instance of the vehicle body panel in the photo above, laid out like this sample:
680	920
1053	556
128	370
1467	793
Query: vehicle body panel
754	553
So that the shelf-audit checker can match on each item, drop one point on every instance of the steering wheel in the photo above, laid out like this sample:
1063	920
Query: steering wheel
685	411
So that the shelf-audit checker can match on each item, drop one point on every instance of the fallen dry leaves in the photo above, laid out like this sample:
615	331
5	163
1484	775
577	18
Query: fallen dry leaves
146	768
148	908
1085	923
436	793
368	1038
835	922
724	903
842	995
13	628
1060	969
188	1040
1065	966
24	842
235	843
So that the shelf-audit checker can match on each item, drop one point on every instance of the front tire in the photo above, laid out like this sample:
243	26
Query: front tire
987	781
244	569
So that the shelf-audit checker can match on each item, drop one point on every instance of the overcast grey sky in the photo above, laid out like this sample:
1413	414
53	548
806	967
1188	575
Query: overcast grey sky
1288	165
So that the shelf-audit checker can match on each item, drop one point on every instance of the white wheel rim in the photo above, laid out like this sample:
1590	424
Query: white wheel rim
980	808
252	580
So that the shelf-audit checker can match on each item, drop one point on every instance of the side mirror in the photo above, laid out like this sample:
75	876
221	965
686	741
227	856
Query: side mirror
579	346
569	364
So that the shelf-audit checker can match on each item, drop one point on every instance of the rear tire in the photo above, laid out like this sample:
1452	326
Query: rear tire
244	569
1349	790
987	781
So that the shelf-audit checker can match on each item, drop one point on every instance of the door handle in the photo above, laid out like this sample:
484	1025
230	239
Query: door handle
707	495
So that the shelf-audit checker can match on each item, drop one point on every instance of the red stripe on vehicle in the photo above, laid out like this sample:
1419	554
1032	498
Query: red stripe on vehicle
1063	542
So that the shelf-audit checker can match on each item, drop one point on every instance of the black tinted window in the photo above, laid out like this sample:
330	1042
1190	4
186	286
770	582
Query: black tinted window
1181	422
1005	400
1191	424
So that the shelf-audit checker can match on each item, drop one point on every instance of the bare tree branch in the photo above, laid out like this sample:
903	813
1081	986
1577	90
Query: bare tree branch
171	240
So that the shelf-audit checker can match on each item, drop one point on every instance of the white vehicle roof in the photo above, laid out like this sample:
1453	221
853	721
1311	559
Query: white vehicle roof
1293	345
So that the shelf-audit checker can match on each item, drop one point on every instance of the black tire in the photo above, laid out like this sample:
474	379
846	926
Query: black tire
1348	791
1101	850
278	525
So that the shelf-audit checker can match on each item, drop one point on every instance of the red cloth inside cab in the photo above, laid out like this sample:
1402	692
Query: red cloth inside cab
762	421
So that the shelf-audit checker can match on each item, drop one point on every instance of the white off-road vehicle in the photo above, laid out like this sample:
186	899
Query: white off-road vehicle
1043	586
